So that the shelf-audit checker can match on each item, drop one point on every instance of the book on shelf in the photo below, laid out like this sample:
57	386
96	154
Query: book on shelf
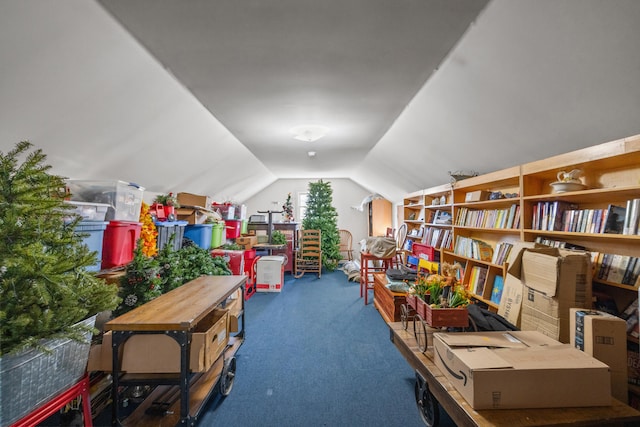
477	279
496	290
632	214
472	248
501	253
614	219
618	267
442	217
621	269
558	243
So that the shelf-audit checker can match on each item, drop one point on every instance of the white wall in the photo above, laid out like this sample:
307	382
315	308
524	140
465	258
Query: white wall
346	195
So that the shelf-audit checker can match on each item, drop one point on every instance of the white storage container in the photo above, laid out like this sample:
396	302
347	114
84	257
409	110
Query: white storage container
270	273
124	198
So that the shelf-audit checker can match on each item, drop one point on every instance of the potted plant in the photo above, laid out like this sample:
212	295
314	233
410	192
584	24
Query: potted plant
48	298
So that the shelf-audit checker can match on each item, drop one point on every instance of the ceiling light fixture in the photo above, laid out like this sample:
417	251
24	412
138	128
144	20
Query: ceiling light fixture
309	133
311	154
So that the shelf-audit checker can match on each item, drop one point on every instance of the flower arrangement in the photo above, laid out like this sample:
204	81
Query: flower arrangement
441	290
149	232
288	209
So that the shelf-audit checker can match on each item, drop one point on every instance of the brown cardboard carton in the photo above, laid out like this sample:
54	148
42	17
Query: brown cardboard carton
604	337
234	306
521	369
191	215
554	281
159	353
247	242
189	199
476	196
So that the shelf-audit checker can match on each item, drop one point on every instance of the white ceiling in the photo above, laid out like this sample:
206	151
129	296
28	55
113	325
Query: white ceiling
199	96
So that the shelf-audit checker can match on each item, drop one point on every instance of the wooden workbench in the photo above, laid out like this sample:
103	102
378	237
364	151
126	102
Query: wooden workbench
175	314
463	415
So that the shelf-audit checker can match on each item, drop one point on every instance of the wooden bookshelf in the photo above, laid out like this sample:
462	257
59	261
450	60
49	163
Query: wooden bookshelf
610	174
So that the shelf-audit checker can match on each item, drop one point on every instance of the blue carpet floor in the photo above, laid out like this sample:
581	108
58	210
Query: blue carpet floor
315	355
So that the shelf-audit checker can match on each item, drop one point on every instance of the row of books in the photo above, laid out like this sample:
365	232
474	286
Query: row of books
478	279
615	268
565	216
501	253
630	315
489	218
473	248
437	237
558	243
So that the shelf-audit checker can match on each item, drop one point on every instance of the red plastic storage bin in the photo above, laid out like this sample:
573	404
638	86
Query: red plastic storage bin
429	251
120	238
234	258
234	226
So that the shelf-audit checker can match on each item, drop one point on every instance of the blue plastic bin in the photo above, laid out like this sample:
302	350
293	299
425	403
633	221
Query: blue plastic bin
166	229
200	234
94	236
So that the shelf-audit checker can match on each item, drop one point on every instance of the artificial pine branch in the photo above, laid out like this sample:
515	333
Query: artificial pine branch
45	288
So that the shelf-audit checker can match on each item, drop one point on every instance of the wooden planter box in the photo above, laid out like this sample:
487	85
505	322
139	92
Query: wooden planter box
418	305
446	317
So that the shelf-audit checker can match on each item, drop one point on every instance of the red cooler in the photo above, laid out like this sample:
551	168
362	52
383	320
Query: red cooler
120	238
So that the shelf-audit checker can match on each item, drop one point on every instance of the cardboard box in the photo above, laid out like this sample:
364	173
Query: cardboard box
476	196
554	280
247	242
520	369
191	215
270	273
189	199
234	306
511	301
159	353
604	337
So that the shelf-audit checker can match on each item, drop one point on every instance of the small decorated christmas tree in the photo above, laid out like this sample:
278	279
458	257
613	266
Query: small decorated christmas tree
45	288
288	209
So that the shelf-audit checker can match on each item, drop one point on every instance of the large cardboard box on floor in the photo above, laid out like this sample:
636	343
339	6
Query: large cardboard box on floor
604	337
520	369
159	353
554	280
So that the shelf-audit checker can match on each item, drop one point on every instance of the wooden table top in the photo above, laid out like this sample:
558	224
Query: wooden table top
181	308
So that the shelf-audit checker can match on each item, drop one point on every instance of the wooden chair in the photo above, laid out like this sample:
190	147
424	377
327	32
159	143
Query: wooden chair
401	253
391	232
346	241
308	256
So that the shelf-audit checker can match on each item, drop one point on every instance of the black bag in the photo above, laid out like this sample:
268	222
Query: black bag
402	274
485	320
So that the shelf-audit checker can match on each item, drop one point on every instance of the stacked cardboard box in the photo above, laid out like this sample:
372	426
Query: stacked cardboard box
520	369
554	280
604	337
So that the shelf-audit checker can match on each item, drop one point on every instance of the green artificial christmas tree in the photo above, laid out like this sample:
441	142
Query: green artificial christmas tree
141	282
321	215
45	288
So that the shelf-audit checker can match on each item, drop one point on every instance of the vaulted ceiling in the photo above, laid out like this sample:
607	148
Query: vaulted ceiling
201	95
